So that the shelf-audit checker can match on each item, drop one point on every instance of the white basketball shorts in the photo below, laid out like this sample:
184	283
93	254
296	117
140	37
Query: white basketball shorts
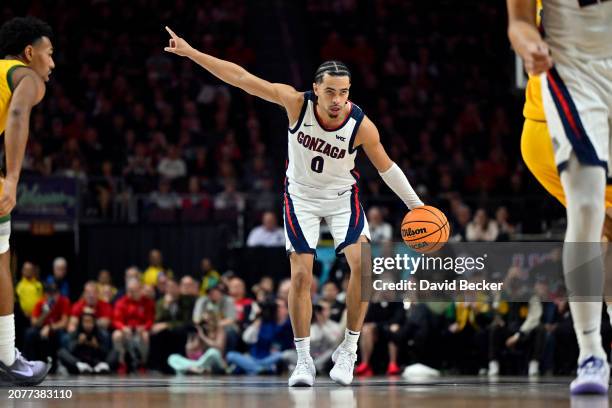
304	207
577	97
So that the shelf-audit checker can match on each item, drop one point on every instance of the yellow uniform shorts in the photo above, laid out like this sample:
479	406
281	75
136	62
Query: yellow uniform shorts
537	151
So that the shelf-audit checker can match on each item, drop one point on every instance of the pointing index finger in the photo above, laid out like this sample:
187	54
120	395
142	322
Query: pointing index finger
172	34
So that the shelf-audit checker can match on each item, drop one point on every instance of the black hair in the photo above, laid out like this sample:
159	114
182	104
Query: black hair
81	329
333	68
19	32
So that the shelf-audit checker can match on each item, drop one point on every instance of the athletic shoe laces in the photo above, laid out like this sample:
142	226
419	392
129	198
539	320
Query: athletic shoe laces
346	360
302	366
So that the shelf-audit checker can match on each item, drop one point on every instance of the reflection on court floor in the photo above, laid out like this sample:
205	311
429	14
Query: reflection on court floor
269	392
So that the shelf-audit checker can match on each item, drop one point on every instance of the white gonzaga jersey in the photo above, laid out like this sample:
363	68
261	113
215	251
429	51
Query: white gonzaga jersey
319	157
578	28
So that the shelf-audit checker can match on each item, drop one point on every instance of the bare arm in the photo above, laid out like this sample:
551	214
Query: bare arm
235	75
369	138
525	37
29	91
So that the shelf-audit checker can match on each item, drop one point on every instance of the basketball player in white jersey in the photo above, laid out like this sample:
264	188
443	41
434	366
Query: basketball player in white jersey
574	60
321	183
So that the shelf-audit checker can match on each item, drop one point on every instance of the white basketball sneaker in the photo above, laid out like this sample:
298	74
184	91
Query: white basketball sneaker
23	372
304	373
344	364
534	368
593	377
493	368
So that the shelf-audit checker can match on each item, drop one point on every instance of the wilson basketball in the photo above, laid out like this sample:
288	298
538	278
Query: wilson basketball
425	229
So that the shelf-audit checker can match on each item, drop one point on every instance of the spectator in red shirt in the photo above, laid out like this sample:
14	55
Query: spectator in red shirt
196	204
102	310
133	318
237	291
49	321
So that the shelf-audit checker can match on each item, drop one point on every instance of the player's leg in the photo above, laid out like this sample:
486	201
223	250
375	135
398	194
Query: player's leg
7	319
14	368
581	154
584	186
346	354
538	154
355	308
300	302
301	237
300	312
349	228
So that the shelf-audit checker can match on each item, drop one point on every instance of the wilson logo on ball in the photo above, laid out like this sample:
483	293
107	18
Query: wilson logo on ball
409	232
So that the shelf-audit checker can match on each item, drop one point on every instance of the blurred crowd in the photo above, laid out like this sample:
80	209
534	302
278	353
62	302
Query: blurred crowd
151	137
211	322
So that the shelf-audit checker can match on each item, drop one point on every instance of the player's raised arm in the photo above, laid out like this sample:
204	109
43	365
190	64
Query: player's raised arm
525	36
237	76
29	91
369	138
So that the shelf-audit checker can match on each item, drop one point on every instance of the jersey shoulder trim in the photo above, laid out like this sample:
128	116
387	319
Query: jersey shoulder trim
9	75
302	113
358	115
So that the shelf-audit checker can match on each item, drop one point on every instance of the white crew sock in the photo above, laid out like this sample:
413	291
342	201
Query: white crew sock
351	338
302	346
7	339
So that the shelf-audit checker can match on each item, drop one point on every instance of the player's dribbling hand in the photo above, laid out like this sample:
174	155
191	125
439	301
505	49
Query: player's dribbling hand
177	45
8	197
536	57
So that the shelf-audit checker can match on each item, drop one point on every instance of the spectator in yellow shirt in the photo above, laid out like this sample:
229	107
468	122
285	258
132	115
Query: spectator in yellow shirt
210	276
29	290
155	268
106	290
